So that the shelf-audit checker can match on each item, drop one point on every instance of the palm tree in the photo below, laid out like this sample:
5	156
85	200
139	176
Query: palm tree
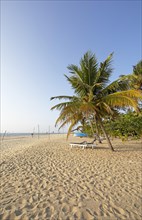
137	73
94	96
135	78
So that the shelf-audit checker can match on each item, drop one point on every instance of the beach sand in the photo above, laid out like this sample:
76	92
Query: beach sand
45	179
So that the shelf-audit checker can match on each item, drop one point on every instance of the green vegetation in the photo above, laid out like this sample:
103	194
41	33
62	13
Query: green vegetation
95	99
134	79
125	126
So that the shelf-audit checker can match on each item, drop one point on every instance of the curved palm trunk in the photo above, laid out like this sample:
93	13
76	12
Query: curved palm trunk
97	133
104	131
92	128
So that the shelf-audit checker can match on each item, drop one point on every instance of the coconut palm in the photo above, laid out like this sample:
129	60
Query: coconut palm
94	96
137	73
135	78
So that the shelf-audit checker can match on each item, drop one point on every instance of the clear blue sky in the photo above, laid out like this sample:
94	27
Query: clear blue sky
39	39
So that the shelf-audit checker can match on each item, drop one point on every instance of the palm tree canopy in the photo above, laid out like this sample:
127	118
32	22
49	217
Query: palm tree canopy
134	79
90	75
137	72
93	93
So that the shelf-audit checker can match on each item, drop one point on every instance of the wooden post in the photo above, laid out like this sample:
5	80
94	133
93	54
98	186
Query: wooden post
38	131
49	132
4	135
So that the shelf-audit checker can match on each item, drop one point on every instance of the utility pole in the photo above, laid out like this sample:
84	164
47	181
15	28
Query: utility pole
38	131
4	135
49	132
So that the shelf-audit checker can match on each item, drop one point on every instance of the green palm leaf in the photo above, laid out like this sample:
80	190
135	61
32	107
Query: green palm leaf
94	97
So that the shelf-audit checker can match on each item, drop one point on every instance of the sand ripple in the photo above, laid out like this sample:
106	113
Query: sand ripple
48	180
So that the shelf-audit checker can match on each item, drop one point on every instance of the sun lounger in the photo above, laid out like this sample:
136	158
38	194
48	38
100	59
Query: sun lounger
81	144
84	144
91	144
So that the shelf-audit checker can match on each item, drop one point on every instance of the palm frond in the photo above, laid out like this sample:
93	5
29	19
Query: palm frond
89	68
62	97
120	84
60	106
105	71
124	99
78	85
70	127
137	70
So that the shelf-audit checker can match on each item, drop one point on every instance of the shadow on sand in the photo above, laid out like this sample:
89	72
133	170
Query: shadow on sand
128	148
135	146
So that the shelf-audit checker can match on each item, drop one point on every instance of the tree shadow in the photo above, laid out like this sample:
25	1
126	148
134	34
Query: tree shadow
128	148
101	148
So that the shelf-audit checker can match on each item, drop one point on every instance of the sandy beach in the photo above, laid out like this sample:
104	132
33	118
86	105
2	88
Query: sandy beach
45	179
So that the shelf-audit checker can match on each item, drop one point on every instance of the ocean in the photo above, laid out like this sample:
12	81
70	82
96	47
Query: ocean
24	135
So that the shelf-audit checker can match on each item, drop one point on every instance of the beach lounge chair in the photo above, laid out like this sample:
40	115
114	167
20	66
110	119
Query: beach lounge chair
84	144
80	144
91	144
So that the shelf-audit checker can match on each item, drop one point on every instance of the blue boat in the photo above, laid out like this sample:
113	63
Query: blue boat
80	135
